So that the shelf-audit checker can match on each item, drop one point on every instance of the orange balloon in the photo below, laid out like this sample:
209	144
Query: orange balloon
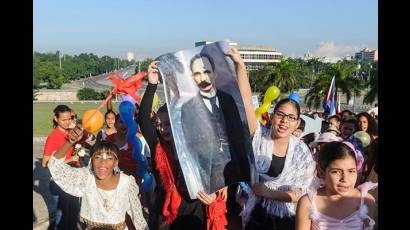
93	120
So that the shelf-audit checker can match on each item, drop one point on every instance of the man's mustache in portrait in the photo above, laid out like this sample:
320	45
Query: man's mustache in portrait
204	84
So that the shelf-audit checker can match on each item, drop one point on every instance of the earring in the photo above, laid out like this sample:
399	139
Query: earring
116	170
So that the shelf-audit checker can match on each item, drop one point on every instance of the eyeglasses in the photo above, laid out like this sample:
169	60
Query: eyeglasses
282	115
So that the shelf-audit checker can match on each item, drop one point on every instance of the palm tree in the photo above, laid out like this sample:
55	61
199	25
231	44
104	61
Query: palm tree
347	82
373	93
347	79
316	94
284	75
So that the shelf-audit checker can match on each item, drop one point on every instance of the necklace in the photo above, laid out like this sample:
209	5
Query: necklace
108	200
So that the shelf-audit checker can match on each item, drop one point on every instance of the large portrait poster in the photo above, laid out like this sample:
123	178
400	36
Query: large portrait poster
207	117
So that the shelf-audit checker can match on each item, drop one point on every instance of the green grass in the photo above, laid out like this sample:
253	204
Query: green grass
43	114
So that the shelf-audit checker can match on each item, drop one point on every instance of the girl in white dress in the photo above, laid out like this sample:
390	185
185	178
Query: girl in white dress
107	193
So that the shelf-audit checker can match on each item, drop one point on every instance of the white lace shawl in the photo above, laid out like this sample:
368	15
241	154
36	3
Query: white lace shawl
296	175
80	182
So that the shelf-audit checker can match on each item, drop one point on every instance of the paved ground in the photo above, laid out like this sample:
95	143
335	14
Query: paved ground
44	205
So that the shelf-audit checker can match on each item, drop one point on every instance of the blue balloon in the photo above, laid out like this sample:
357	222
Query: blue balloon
294	96
126	108
127	111
148	182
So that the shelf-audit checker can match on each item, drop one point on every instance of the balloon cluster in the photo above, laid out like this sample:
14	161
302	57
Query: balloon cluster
127	111
271	94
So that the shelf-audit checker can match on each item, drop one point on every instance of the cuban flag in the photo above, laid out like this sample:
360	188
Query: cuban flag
329	101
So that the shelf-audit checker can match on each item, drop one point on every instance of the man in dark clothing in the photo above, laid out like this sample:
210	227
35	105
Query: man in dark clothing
213	130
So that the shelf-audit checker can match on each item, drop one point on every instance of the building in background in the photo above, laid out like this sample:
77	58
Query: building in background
326	59
348	58
308	56
367	54
254	56
130	56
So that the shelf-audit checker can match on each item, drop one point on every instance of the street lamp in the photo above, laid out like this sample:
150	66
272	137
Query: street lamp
354	93
370	71
59	58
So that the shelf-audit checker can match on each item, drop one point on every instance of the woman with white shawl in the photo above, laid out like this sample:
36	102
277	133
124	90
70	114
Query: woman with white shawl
283	162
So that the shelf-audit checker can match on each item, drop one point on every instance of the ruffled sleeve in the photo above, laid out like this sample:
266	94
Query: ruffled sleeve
307	167
71	180
363	211
135	209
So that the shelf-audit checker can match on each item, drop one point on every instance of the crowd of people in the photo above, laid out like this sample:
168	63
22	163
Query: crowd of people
305	181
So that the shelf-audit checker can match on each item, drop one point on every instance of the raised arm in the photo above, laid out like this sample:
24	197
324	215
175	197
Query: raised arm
109	106
144	119
71	180
245	89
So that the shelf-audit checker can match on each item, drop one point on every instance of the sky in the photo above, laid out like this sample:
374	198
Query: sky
149	28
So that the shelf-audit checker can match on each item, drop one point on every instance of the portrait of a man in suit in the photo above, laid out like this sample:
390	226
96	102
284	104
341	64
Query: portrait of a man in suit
213	129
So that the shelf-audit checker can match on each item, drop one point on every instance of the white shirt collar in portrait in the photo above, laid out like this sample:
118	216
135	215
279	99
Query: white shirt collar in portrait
206	100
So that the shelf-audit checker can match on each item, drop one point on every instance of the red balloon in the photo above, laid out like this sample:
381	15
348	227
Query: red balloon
93	120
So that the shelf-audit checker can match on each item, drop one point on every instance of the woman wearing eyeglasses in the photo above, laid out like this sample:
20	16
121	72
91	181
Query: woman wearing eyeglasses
284	163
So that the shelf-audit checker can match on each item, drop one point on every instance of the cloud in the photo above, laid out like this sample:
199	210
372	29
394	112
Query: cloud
330	49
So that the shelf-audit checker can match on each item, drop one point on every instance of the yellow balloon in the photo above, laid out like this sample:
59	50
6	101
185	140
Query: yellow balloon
265	107
259	115
271	94
261	110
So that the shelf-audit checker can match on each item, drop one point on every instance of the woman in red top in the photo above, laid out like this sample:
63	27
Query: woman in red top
68	204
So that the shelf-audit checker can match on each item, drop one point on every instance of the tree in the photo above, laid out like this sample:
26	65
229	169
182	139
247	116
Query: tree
373	93
46	67
347	81
318	92
143	66
36	74
56	82
282	74
51	74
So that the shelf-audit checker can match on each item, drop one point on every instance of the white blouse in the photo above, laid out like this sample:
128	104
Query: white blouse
80	182
296	175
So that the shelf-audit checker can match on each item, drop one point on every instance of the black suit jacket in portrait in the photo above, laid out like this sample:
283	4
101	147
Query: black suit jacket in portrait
219	164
